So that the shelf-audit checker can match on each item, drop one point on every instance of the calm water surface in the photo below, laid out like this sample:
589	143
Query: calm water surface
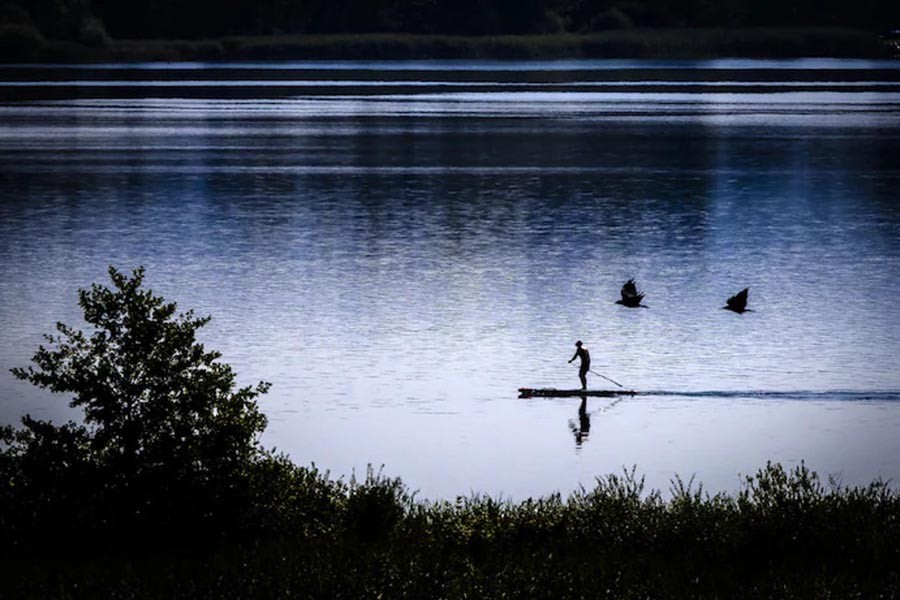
398	247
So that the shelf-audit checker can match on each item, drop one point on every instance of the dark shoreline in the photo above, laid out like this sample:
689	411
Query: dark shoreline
637	43
784	535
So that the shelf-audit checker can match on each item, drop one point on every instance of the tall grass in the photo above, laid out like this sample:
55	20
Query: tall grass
785	534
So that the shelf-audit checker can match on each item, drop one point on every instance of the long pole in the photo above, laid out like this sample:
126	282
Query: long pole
605	377
602	375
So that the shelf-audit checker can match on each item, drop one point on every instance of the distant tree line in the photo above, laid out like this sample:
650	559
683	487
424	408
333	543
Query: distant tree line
93	21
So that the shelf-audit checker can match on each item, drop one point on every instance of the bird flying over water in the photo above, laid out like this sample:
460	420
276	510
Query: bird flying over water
630	295
738	302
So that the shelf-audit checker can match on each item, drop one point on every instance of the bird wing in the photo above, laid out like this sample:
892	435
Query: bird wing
739	300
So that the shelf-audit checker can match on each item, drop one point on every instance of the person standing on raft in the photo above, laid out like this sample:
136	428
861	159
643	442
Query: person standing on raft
585	356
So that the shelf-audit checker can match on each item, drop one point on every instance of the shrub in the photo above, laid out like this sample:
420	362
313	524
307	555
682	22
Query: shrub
375	506
167	440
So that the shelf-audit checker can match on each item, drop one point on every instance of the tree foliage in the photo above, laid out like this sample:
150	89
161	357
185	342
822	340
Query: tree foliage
167	436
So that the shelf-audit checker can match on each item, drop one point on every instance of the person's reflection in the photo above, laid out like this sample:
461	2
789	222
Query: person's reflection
583	428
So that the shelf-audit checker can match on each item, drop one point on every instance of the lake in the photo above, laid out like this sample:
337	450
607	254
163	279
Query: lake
399	246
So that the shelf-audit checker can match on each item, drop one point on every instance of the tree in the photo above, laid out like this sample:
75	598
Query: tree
167	438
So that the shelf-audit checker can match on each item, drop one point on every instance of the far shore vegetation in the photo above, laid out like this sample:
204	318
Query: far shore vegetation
208	30
667	44
163	490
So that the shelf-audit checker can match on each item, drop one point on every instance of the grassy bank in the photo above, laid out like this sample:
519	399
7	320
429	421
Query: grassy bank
785	535
669	43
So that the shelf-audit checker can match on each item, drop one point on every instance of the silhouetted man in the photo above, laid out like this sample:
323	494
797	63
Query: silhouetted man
585	356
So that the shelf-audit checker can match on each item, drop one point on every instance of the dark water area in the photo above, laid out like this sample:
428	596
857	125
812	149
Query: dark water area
398	247
334	78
